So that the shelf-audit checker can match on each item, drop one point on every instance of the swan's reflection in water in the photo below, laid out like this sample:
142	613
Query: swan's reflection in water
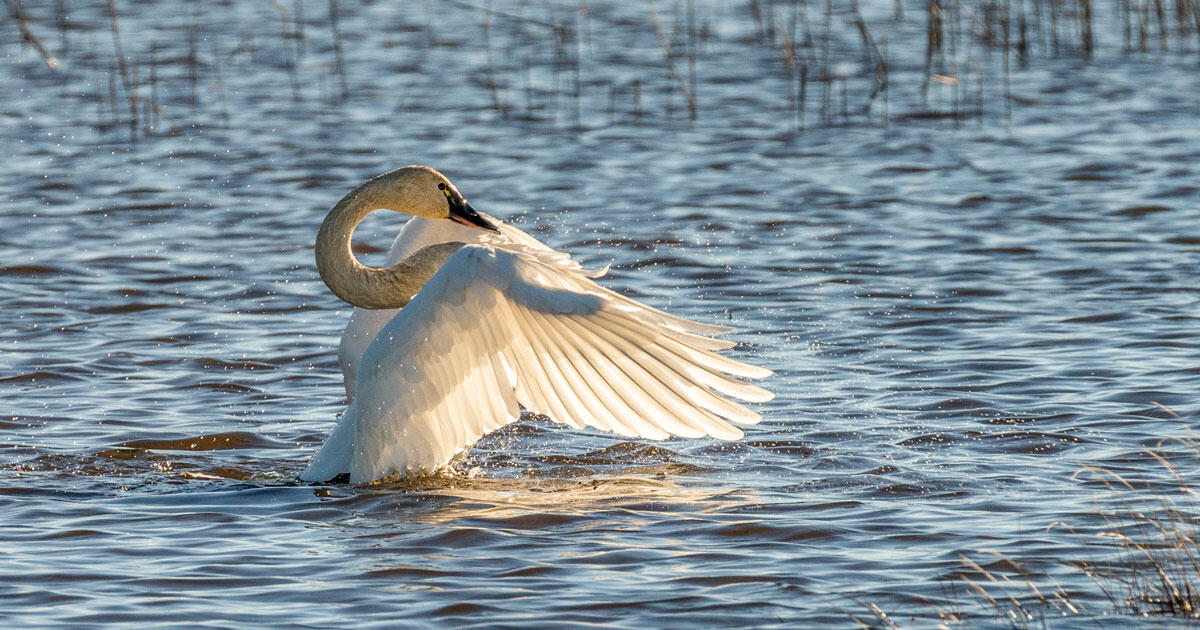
499	499
538	534
476	497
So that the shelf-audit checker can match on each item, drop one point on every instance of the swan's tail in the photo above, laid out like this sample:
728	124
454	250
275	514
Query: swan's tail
334	457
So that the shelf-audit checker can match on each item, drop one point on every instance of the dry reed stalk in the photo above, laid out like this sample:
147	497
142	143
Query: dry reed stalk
880	618
1160	18
688	93
879	84
567	50
61	20
290	55
123	69
560	55
1022	34
339	60
1181	20
934	26
870	51
757	14
791	61
21	20
490	77
193	60
1085	28
1005	22
1162	567
802	97
577	69
826	70
884	75
691	30
298	35
96	96
114	115
1126	12
769	22
220	84
151	106
979	96
1194	9
1008	599
637	99
845	98
1052	8
955	96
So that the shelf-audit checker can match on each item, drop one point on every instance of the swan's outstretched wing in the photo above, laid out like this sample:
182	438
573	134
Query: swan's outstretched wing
497	329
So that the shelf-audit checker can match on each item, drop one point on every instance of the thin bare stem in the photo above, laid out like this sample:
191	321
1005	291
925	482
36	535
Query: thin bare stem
27	35
688	96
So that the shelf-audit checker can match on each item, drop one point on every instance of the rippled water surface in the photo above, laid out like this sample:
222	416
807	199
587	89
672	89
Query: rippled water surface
961	313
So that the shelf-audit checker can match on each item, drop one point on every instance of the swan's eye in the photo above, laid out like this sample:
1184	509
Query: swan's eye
441	187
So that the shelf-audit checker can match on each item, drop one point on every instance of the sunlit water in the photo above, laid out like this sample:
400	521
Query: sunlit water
961	316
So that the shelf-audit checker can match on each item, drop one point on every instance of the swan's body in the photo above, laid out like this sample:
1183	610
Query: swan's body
469	324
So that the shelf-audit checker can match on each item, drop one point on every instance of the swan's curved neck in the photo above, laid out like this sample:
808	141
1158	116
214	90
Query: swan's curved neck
358	284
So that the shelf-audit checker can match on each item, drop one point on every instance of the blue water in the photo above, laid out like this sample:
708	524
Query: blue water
963	313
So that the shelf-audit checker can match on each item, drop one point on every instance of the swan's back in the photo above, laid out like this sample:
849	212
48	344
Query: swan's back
417	234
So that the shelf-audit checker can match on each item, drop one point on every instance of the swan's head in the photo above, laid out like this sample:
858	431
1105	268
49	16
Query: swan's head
423	192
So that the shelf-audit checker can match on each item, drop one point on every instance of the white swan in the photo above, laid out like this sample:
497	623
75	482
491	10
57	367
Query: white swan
493	320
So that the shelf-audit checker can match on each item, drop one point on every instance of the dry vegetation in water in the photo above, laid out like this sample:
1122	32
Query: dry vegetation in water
831	63
1145	560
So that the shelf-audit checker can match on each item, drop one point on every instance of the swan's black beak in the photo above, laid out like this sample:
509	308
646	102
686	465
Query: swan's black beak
463	213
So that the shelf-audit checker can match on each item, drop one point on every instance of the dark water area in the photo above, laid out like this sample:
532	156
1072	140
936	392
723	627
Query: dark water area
971	288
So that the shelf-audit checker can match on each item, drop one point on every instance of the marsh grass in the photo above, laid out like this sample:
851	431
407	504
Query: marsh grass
1157	571
124	70
686	87
827	64
1144	558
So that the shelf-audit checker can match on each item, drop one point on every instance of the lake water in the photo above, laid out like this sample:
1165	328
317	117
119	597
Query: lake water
964	312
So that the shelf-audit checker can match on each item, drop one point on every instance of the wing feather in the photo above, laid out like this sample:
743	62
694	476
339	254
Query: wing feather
590	389
497	329
539	374
603	381
562	392
657	383
703	367
501	363
533	388
637	375
619	388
